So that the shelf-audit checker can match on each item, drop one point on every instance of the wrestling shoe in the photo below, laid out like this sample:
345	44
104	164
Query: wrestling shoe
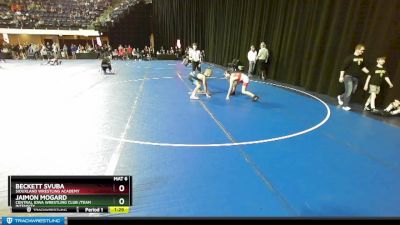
374	110
340	102
255	98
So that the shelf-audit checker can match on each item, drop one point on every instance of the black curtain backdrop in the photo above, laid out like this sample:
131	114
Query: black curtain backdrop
134	29
307	39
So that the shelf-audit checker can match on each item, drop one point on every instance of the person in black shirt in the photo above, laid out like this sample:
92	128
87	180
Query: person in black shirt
1	54
49	50
106	64
374	80
16	51
352	70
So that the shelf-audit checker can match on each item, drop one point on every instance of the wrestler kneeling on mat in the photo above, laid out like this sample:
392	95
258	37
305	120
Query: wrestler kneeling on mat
235	78
198	79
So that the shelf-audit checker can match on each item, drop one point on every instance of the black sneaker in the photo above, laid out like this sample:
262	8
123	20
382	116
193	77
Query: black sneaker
255	98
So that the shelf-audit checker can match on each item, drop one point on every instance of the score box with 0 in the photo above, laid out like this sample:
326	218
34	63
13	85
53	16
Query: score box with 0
68	191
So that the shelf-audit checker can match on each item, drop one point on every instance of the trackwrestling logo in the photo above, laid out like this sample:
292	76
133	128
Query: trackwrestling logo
32	220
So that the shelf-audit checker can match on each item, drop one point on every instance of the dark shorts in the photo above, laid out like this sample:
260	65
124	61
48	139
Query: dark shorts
106	66
263	65
196	66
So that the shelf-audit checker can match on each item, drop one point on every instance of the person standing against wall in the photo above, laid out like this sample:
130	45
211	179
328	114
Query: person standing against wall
252	56
262	59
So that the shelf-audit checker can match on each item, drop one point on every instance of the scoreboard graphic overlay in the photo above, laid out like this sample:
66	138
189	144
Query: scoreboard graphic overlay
74	194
